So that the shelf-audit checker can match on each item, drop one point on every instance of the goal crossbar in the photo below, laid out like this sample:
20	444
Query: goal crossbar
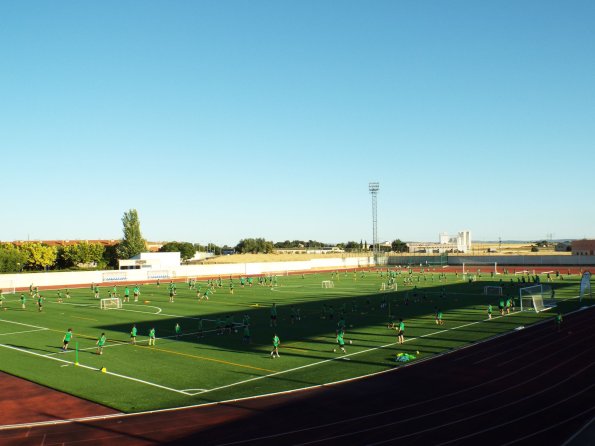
328	284
536	297
110	303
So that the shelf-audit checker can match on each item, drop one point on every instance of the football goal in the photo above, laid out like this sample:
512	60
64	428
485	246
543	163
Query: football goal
328	284
110	303
7	287
585	290
536	298
474	266
491	290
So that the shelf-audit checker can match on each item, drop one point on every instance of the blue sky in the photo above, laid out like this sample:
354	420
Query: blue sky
221	120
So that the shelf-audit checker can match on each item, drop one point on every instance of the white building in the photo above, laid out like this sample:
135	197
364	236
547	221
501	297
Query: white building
446	243
152	260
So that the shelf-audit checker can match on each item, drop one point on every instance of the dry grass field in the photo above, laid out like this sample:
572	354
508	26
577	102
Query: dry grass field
478	249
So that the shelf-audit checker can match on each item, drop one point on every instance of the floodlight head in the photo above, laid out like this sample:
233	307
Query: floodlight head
373	187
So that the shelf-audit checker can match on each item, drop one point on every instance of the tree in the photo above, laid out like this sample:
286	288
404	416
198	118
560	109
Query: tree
186	249
254	246
110	257
83	253
12	259
399	246
352	246
132	243
39	256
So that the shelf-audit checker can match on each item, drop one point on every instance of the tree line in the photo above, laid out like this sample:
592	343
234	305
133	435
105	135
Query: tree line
36	256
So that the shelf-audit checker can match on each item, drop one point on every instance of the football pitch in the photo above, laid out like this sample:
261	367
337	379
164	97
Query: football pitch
189	368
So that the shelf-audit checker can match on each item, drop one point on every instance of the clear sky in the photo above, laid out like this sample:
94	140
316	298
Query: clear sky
221	120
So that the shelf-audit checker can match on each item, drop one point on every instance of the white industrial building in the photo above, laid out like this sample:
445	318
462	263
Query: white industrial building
446	243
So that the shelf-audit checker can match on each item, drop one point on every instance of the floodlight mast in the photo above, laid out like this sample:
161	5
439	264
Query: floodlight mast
374	188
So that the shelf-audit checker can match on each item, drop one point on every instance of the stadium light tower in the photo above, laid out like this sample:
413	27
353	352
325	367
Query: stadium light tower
373	188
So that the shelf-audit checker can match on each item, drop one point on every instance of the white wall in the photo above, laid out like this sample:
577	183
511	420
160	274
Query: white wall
72	279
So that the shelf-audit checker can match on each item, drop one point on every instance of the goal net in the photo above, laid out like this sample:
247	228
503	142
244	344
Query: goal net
472	266
7	286
110	303
328	284
585	290
536	298
491	290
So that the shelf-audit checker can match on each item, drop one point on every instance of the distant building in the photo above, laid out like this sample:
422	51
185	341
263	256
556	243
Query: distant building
563	247
446	243
583	247
152	260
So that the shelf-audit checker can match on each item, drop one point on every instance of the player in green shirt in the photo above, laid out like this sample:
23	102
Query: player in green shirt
205	296
96	292
133	333
200	329
401	332
23	301
126	294
559	322
178	330
501	306
40	302
2	300
341	342
246	337
230	287
274	315
439	320
152	336
67	338
489	311
100	343
276	343
220	326
136	292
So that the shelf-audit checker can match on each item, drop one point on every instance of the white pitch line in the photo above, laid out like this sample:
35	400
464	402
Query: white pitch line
96	370
26	331
20	323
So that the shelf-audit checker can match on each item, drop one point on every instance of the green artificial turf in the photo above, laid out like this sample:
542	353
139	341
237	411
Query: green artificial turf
189	370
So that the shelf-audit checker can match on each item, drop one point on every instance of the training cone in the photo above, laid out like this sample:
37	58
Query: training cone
103	370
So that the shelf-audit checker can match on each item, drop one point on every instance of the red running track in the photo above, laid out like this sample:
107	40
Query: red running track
531	387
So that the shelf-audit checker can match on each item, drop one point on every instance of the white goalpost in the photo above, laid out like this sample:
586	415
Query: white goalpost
110	303
585	289
476	266
536	298
328	284
491	290
7	287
